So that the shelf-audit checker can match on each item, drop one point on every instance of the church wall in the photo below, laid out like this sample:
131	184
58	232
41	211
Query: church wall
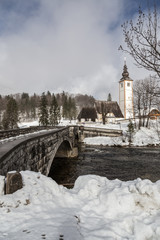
126	98
121	97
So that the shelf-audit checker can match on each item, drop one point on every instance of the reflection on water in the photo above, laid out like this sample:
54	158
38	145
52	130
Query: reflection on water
111	162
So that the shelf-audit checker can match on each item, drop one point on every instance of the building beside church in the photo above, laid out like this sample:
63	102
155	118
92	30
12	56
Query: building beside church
87	114
126	94
108	111
154	114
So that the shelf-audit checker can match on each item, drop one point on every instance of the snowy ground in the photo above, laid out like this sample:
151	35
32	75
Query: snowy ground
95	209
28	124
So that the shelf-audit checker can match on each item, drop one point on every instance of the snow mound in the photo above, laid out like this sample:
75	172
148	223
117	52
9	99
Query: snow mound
146	136
96	208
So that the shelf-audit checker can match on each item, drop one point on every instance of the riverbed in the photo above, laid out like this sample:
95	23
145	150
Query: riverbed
111	162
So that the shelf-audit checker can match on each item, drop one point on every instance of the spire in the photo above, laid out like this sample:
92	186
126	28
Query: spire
125	73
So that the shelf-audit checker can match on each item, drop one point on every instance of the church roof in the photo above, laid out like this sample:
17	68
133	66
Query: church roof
125	74
110	106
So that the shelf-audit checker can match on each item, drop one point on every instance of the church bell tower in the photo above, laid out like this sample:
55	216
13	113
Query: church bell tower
126	94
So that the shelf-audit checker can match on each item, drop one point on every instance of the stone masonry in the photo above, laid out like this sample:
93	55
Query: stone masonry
37	153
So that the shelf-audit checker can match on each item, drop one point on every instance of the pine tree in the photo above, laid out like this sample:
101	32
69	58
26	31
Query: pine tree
109	99
33	107
24	104
43	116
5	121
65	107
10	117
49	97
71	108
54	112
130	130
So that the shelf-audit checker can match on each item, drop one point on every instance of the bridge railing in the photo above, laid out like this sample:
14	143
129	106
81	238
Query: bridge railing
21	131
94	131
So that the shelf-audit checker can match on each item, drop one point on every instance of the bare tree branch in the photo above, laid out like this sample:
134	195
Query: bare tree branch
143	40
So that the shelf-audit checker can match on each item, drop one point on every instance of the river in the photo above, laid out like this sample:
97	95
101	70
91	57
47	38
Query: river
111	162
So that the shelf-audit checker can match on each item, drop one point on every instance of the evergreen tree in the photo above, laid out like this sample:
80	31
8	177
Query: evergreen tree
63	97
65	107
33	107
43	116
130	130
5	122
71	108
109	99
54	112
49	97
58	98
24	104
10	117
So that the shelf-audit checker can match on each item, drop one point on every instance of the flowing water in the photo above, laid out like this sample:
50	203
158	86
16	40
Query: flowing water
111	162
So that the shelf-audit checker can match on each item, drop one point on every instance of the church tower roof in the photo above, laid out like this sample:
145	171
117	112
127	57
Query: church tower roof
125	73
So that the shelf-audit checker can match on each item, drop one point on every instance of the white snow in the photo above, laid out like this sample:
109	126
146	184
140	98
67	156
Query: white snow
28	124
95	209
142	137
146	136
10	139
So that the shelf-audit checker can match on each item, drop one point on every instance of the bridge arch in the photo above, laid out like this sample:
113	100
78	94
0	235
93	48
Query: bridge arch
63	148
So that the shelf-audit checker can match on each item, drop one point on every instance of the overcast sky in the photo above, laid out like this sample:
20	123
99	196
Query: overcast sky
64	45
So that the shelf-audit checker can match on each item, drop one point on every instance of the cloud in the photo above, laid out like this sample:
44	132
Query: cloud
62	45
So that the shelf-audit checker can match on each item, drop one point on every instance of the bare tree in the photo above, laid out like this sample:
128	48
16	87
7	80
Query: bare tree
143	41
137	101
105	109
144	99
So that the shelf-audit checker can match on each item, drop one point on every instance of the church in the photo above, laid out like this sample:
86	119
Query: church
111	111
126	94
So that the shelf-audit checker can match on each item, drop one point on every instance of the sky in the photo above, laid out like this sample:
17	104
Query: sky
60	45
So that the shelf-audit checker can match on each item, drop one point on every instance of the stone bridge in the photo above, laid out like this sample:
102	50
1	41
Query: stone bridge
37	151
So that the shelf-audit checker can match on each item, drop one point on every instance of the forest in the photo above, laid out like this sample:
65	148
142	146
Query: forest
48	108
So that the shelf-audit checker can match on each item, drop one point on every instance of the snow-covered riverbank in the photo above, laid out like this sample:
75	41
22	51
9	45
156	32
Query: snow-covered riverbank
96	208
142	137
